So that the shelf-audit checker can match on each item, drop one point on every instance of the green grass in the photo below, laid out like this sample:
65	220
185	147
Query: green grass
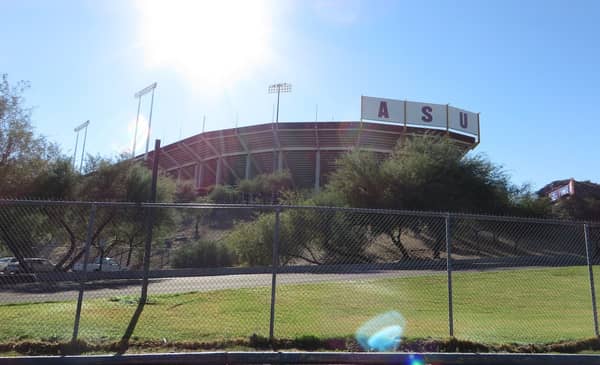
537	306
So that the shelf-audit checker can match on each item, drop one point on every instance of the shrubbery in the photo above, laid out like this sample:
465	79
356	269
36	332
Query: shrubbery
253	241
310	236
202	254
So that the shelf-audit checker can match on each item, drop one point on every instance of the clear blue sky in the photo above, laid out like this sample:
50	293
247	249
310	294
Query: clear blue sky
530	67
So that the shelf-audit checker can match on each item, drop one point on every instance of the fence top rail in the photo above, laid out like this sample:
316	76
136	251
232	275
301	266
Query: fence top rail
412	213
27	202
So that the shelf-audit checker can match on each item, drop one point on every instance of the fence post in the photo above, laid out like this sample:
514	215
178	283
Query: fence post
449	271
588	253
275	266
83	278
149	224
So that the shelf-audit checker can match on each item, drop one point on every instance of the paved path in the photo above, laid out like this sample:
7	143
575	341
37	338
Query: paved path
68	291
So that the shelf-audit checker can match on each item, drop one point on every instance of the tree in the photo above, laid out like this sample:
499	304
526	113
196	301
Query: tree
115	227
263	188
428	173
315	236
23	154
578	208
253	241
32	167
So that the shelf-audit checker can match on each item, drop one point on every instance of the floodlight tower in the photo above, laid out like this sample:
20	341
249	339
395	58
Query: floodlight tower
77	130
283	87
138	95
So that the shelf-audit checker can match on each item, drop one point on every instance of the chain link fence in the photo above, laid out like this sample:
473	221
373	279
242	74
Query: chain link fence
520	280
219	273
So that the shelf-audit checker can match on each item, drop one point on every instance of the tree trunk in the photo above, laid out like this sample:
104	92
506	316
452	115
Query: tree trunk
397	240
15	248
72	247
129	252
76	258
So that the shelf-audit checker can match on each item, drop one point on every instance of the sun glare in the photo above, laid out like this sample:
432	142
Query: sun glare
212	44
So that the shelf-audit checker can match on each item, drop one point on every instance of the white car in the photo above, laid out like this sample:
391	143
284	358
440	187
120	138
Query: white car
5	261
108	264
36	264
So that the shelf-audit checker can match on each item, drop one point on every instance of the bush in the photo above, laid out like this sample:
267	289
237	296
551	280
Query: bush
316	237
202	254
253	241
224	194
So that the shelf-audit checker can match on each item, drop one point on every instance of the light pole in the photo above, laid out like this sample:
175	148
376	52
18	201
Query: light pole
76	143
139	94
283	87
77	130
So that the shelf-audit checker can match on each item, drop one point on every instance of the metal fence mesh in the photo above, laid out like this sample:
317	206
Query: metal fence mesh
44	235
341	268
116	250
201	298
212	270
519	281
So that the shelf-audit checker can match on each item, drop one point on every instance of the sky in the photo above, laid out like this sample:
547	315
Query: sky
529	67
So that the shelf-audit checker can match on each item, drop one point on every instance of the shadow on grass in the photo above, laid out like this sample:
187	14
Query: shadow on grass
40	287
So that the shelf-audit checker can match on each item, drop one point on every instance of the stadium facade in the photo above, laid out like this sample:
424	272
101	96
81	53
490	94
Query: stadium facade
309	150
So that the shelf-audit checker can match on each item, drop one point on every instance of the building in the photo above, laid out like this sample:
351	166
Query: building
563	189
309	150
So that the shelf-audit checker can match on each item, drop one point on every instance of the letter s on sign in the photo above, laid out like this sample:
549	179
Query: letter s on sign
426	110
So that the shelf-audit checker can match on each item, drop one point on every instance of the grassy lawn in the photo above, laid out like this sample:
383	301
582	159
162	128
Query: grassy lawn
537	305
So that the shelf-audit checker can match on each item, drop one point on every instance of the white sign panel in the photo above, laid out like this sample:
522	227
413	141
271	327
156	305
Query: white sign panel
430	115
463	121
385	110
419	114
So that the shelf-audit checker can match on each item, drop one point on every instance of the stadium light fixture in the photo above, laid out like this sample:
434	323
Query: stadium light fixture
77	130
138	95
279	88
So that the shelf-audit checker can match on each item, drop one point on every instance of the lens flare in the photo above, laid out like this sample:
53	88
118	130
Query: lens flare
416	360
381	333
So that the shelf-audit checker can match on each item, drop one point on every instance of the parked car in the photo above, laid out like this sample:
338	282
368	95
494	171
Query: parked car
108	264
34	263
5	261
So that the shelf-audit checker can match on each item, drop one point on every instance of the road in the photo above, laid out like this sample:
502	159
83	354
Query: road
35	292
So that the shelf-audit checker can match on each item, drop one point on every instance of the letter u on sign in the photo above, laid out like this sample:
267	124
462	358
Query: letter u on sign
464	120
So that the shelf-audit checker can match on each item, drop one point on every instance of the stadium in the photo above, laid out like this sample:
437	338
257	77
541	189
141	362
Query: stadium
308	150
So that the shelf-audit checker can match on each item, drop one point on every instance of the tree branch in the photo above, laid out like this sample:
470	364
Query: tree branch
72	247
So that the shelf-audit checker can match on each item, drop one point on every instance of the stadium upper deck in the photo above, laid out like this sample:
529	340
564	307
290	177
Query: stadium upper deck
308	150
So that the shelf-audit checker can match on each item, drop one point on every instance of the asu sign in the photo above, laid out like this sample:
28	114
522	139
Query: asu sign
420	114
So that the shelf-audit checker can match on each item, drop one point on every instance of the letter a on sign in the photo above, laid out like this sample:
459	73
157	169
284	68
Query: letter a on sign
383	110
